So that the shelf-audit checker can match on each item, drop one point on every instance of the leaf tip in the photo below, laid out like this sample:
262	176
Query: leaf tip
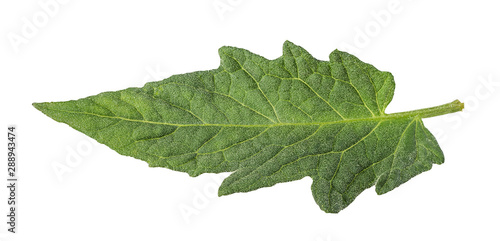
225	188
41	106
288	42
288	45
335	55
222	192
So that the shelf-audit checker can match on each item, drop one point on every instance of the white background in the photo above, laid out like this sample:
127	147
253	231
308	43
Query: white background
438	51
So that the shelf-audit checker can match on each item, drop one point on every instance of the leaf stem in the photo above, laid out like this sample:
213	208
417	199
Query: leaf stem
451	107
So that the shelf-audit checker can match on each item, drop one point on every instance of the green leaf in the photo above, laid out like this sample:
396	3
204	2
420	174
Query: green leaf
268	121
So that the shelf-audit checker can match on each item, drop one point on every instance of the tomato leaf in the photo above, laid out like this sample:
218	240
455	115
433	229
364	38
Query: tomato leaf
268	121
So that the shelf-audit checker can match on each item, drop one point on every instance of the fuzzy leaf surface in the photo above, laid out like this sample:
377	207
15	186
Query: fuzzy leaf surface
267	121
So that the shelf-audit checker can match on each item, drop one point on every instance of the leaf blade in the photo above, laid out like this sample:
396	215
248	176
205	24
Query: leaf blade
268	121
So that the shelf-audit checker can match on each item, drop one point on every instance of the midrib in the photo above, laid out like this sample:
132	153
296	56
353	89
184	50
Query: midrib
421	113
